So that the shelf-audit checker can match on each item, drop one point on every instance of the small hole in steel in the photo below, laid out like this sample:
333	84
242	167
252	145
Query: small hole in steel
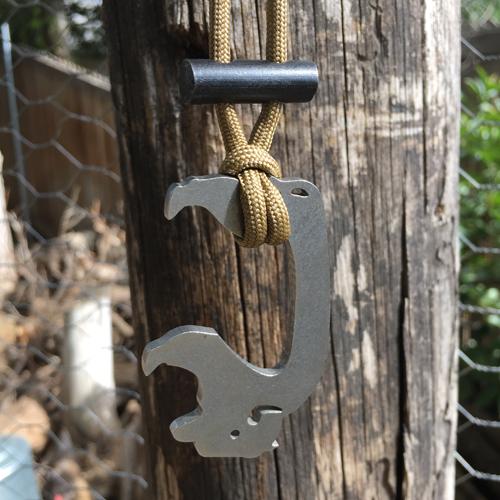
299	192
235	434
259	411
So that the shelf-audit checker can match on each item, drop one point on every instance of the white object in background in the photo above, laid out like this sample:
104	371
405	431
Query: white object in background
8	271
88	367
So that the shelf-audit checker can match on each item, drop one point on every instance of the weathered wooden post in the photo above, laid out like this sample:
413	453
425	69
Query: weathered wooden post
381	142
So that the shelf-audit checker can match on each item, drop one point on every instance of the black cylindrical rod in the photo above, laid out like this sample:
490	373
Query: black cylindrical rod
204	81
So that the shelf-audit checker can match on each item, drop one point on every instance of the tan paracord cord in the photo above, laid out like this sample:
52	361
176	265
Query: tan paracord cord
264	211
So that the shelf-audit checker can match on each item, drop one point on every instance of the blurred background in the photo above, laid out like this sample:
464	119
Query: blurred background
70	419
69	406
478	448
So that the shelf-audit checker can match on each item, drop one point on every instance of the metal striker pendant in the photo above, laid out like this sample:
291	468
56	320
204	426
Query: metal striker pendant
241	405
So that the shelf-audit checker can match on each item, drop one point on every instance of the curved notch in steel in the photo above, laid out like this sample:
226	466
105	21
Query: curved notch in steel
241	405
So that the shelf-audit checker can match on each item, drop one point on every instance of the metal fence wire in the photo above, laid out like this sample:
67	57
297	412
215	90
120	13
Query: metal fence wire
478	444
69	406
70	416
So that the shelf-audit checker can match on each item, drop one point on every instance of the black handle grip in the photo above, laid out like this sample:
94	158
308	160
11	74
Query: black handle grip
203	81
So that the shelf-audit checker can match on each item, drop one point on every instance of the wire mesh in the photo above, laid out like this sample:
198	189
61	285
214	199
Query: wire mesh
478	446
64	211
68	384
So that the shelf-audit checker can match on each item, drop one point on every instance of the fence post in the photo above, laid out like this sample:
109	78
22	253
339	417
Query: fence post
14	121
381	142
89	381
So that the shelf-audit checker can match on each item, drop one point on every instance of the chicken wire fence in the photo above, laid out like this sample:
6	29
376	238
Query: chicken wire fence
69	405
68	370
478	443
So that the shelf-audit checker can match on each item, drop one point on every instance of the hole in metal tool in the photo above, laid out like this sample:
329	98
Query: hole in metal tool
299	192
257	412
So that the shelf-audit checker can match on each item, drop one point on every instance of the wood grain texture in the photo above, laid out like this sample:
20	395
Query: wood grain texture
381	142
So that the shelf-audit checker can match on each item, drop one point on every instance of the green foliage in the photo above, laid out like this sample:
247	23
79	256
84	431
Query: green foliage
477	13
67	28
33	25
86	31
480	223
